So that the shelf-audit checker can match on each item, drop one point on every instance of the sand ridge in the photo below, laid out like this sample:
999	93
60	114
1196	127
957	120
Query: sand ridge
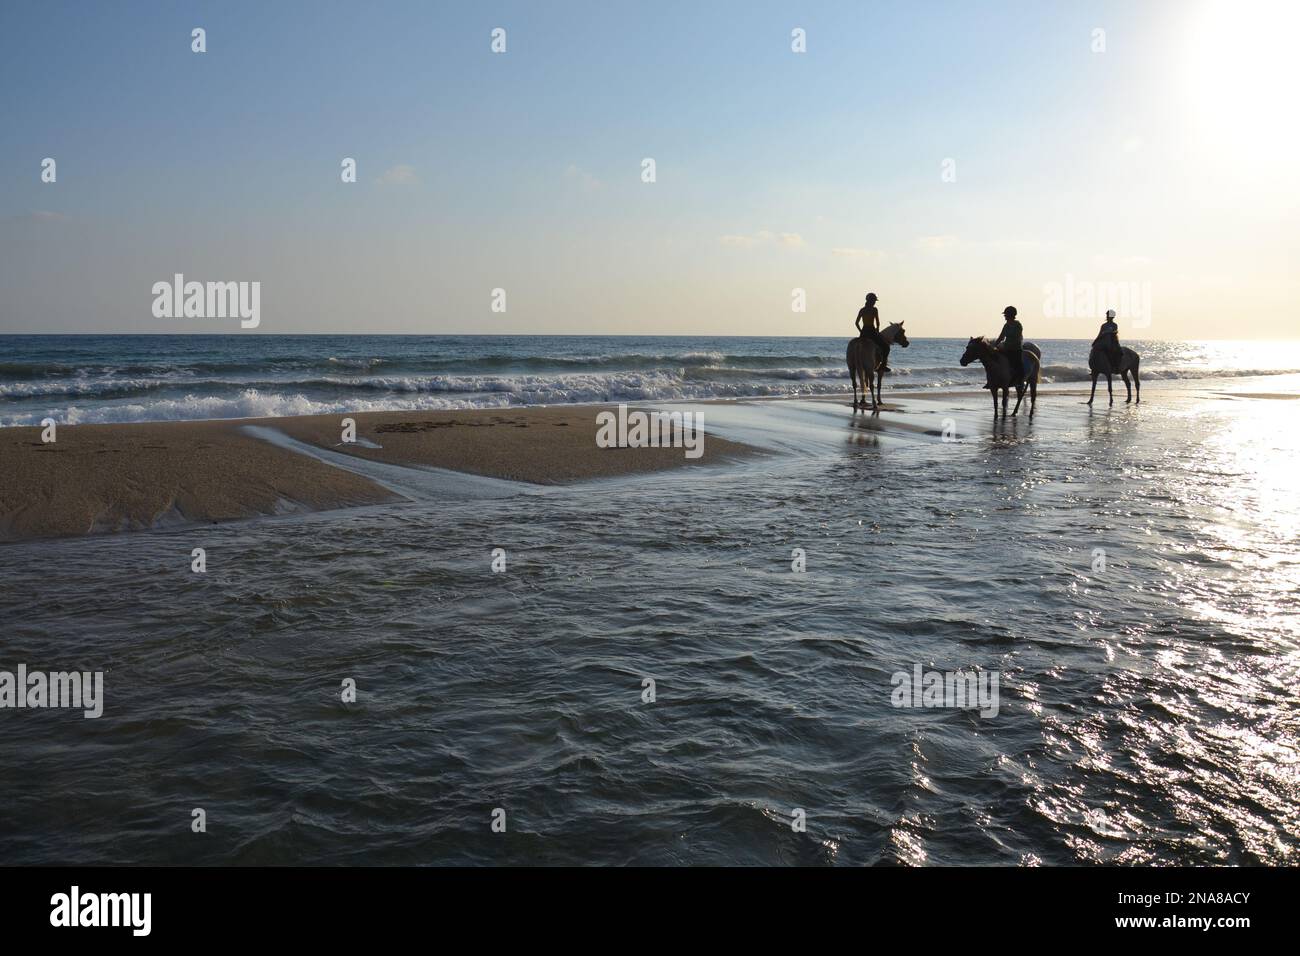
124	477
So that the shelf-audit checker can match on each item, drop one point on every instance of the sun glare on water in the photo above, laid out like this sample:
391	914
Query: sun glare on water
1243	74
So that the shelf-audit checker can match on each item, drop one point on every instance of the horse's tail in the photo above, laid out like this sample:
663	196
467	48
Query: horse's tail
1038	367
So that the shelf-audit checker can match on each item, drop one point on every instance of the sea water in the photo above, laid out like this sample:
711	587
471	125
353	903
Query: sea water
1130	574
126	378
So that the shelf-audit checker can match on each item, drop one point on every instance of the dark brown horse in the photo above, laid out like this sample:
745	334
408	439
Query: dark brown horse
1099	363
997	372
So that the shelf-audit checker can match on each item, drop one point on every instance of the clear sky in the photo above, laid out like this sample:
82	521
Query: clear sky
1166	162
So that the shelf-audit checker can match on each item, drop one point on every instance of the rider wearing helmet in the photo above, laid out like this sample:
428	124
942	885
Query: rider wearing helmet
1012	342
1108	340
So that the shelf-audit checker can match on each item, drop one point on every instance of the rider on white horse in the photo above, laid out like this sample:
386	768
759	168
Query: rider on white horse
868	326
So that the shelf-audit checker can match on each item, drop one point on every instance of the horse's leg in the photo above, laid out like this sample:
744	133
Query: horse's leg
1020	397
994	392
1094	388
1137	384
1033	396
880	376
1006	396
1110	387
877	373
1128	388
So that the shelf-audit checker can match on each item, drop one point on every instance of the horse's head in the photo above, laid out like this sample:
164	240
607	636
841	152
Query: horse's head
894	333
972	352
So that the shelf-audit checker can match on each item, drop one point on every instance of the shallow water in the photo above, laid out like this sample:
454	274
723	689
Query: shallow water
1147	711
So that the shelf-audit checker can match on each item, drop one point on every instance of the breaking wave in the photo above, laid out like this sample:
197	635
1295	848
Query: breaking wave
151	378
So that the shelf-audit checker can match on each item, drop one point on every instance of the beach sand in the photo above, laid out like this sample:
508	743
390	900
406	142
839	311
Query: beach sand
126	477
545	445
106	478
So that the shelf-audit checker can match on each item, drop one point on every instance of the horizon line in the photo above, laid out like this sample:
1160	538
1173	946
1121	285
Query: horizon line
576	335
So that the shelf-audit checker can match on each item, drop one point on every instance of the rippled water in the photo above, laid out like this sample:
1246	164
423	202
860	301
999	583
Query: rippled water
1147	712
129	378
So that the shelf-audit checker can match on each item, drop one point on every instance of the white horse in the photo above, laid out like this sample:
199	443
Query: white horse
864	358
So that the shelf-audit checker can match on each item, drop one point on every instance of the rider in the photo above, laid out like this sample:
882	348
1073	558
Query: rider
1108	340
868	325
1012	342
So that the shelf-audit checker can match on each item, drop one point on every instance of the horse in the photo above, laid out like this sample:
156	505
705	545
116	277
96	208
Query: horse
1099	363
863	354
997	371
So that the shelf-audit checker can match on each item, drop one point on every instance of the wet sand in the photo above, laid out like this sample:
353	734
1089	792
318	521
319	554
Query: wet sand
105	478
545	445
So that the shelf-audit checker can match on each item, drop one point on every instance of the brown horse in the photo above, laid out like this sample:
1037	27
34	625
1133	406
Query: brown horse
1099	363
863	357
997	371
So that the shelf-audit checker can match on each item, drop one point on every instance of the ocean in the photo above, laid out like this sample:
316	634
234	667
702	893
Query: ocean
123	378
1131	574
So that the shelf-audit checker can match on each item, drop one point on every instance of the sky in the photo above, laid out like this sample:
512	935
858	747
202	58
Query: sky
954	158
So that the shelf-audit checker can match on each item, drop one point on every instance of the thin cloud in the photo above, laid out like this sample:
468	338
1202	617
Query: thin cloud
586	181
941	243
1111	263
40	215
936	243
852	253
399	175
1016	245
791	240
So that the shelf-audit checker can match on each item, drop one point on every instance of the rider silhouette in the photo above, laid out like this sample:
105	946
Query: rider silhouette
1108	340
1012	342
868	326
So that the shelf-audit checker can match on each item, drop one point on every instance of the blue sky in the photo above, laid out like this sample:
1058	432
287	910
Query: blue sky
775	171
